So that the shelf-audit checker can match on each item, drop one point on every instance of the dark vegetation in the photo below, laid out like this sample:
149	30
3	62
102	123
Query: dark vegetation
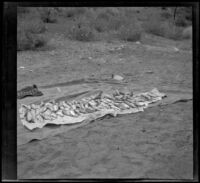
93	24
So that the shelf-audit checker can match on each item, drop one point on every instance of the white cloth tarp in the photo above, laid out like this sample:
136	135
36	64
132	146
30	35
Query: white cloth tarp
67	123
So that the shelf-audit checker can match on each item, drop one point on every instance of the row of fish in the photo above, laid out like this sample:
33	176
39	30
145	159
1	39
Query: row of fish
117	101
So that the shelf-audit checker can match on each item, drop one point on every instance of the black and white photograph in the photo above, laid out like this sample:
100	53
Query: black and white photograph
105	92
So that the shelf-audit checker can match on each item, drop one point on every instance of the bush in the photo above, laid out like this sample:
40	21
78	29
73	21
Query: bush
172	32
48	15
33	25
82	31
29	34
130	31
166	15
187	33
183	16
154	27
109	19
129	34
73	12
181	21
28	41
163	28
106	23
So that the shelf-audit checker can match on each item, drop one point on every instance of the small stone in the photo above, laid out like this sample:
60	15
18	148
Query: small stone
176	49
117	77
149	72
59	90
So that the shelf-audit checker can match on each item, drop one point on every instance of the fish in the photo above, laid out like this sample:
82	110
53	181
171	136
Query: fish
66	112
130	104
62	107
33	114
55	108
22	111
60	113
92	103
49	106
29	116
40	119
53	115
89	110
33	106
43	109
66	105
73	113
46	116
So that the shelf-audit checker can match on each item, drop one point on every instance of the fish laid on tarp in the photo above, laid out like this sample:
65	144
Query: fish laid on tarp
76	111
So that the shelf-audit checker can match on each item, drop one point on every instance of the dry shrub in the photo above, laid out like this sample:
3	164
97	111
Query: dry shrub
71	12
106	23
82	31
28	41
187	33
166	15
48	15
30	34
181	21
154	27
163	28
106	19
32	25
183	16
130	31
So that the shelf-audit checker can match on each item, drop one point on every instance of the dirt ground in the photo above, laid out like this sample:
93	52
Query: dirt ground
157	143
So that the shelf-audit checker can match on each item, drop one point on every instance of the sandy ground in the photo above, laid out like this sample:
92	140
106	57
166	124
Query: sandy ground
157	143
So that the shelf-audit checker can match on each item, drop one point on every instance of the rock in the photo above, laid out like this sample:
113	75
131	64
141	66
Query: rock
59	90
176	49
22	67
52	53
149	72
117	77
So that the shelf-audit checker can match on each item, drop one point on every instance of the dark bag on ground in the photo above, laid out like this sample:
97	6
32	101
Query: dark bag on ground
29	91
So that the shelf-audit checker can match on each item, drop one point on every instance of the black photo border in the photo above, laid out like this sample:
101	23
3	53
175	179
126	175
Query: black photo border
9	80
